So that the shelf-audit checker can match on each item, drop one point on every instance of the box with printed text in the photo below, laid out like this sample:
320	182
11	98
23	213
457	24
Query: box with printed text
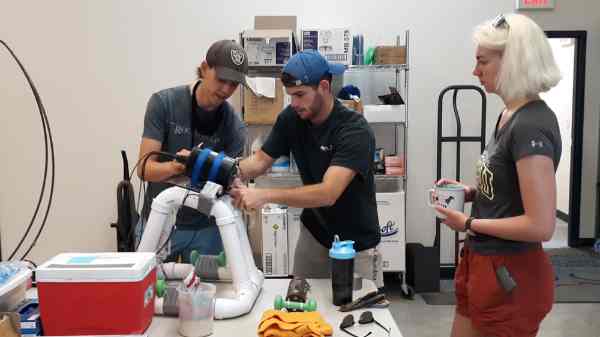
274	240
334	44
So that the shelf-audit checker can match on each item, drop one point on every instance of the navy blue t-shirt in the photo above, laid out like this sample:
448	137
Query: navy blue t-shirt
344	139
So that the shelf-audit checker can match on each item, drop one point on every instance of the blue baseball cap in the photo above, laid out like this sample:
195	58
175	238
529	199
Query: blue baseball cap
309	66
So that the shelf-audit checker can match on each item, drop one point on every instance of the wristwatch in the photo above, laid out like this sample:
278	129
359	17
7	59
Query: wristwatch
468	226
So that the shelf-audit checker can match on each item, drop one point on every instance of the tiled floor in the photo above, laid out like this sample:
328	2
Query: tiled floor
559	239
415	318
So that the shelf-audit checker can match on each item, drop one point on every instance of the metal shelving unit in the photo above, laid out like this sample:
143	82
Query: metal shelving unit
374	80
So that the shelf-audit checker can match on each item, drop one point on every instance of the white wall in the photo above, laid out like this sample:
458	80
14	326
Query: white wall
560	99
584	15
97	62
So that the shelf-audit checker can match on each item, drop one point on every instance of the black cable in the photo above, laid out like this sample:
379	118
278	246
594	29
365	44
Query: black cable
187	245
584	279
39	233
174	228
144	158
30	262
142	186
47	137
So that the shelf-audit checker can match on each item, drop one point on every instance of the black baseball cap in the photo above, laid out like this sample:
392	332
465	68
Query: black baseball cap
229	60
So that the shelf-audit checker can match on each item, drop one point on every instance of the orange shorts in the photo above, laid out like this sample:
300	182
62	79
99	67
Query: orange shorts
492	310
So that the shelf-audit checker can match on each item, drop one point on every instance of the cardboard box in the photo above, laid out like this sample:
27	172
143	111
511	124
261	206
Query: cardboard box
263	110
294	223
274	240
276	22
353	105
390	209
334	44
269	47
390	55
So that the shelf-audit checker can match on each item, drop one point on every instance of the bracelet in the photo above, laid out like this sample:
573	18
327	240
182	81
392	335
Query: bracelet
240	173
468	226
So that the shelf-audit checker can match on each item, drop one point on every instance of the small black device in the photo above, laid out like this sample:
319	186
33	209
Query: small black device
505	280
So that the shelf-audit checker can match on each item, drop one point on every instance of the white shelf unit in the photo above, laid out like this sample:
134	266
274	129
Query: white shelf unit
390	125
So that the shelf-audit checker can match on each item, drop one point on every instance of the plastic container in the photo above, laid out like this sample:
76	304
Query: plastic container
12	293
342	270
282	164
196	309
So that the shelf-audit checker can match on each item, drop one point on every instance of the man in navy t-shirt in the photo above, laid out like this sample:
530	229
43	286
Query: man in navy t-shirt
333	147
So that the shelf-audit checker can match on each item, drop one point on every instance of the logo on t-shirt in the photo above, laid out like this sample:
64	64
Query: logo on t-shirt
537	143
485	177
327	148
180	129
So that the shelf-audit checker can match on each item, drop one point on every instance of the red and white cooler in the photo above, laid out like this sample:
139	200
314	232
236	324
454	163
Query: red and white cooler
97	293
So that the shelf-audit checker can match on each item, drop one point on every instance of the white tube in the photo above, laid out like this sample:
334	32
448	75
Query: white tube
229	308
159	225
256	275
231	242
247	280
175	271
246	283
224	274
158	305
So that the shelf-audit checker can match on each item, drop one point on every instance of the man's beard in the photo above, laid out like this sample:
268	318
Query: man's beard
315	108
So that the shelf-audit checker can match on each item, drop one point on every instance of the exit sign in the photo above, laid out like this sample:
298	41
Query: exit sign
535	4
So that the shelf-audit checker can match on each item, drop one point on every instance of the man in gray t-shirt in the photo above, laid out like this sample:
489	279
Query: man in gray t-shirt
178	119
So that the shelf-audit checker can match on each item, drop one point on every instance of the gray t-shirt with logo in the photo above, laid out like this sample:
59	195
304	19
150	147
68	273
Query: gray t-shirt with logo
168	120
531	130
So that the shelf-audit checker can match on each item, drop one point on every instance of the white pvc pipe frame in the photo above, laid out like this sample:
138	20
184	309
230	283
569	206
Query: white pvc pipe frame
246	278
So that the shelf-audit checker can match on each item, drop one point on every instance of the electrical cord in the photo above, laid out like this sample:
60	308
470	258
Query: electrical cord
144	158
142	188
47	139
584	278
187	245
174	228
142	192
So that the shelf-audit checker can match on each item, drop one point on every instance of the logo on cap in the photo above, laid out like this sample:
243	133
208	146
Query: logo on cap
237	57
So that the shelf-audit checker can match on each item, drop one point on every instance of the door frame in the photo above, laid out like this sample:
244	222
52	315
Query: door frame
574	215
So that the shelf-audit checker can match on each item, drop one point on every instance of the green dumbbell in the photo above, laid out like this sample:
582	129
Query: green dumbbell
280	303
161	287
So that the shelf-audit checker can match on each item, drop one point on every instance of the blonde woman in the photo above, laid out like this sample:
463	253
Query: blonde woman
504	281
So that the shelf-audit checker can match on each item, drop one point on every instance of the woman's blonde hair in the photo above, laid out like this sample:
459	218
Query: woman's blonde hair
528	66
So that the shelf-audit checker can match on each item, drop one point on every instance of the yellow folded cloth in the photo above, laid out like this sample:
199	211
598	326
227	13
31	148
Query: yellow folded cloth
8	327
275	323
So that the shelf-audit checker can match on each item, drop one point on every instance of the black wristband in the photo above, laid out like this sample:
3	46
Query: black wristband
468	226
